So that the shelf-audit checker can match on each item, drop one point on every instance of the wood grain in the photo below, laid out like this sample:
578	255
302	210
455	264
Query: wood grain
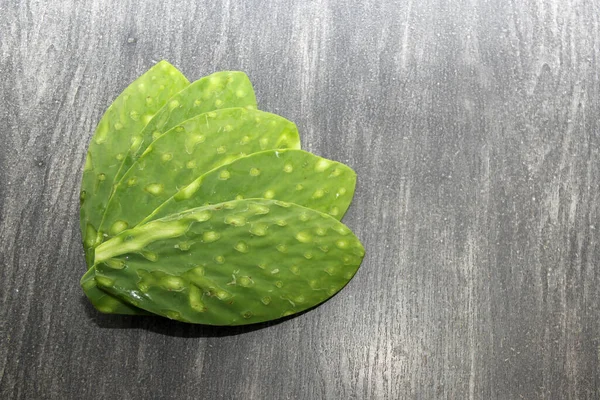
473	126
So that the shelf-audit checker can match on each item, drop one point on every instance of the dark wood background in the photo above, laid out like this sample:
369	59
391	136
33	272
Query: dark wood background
473	125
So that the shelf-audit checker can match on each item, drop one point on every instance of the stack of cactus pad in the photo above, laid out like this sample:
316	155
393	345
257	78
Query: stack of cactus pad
198	207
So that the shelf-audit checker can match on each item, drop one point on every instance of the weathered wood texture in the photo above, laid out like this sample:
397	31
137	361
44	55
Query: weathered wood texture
473	126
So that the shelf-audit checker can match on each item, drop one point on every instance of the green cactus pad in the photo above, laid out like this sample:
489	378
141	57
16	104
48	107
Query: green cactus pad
294	176
224	89
125	118
234	263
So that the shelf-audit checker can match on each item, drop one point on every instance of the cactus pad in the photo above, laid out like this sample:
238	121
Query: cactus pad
288	175
126	117
224	89
233	263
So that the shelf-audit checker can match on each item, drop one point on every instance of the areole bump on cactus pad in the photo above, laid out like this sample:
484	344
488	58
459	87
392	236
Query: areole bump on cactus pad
198	207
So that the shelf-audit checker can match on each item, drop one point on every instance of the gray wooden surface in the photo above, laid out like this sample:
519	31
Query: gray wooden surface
473	126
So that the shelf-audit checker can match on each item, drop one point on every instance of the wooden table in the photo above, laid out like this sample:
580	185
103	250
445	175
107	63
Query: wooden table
473	126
